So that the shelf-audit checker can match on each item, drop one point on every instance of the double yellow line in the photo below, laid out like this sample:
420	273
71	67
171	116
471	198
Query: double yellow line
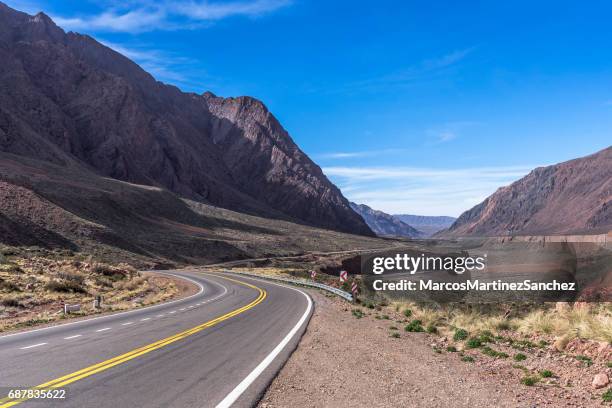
105	365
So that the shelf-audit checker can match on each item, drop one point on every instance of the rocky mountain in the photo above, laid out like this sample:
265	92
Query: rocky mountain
71	208
574	197
68	100
384	224
428	225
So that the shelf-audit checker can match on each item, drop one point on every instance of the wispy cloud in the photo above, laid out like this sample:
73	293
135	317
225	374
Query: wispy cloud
215	11
164	66
429	69
450	131
427	191
351	155
137	17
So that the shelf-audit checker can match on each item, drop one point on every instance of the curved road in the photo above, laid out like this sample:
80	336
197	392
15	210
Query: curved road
218	348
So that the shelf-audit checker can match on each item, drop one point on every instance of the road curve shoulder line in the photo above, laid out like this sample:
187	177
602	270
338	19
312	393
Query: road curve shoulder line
115	314
233	396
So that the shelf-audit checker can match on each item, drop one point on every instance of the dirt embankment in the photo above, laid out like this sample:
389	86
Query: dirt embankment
367	359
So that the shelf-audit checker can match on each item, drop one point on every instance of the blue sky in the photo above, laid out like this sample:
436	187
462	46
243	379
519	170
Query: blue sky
410	107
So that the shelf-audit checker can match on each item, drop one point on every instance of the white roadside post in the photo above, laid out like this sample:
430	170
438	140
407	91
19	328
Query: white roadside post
313	275
97	303
71	308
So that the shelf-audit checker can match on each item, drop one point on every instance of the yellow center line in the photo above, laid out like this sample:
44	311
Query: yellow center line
105	365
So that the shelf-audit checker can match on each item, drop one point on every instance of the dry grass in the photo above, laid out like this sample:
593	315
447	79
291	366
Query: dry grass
33	288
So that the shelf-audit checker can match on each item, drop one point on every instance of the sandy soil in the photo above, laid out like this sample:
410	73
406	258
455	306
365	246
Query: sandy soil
343	361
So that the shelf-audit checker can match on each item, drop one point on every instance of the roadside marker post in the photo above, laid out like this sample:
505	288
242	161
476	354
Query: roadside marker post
354	288
343	276
313	274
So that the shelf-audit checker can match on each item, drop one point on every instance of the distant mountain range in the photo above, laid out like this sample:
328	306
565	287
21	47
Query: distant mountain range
384	224
574	197
428	225
67	100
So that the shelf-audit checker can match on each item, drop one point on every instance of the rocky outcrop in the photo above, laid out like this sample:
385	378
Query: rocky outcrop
574	197
69	100
384	224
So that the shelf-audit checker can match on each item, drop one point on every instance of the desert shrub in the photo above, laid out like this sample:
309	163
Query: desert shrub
414	326
529	380
9	302
460	334
467	359
473	342
393	328
407	312
9	286
395	335
108	271
607	396
451	349
385	317
493	353
586	360
65	287
357	313
71	277
432	329
520	357
10	268
546	374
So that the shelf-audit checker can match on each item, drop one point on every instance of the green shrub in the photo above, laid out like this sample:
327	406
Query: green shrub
407	312
607	396
432	329
546	374
473	342
395	335
460	334
520	357
467	359
609	364
451	349
586	360
393	328
414	326
357	313
529	380
493	353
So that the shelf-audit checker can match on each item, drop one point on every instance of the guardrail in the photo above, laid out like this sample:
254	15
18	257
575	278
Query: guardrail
336	291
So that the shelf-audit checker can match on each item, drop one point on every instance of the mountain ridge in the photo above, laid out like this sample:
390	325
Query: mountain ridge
384	224
72	101
572	197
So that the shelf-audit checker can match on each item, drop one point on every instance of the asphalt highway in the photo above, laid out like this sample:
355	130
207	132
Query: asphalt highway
218	348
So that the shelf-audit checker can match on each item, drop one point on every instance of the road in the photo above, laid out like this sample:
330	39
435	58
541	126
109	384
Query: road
218	348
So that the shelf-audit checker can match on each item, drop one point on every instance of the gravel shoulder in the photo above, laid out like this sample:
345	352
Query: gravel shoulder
343	361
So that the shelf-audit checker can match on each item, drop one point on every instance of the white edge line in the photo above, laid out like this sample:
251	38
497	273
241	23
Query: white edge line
116	314
127	323
32	346
72	337
253	375
104	329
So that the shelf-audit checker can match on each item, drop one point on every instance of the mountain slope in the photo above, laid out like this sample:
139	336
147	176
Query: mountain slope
570	197
428	225
68	100
54	206
384	224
